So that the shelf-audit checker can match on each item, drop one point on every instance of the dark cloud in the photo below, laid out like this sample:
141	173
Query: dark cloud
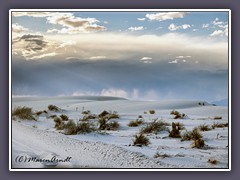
33	42
65	78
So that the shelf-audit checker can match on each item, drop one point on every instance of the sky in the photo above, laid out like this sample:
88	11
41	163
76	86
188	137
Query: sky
143	55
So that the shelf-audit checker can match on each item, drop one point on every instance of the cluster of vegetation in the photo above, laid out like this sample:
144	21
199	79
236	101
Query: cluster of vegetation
140	140
152	111
204	127
178	115
176	128
217	117
72	128
53	108
194	135
106	124
23	113
219	125
85	125
191	135
161	155
154	127
86	112
212	161
38	113
64	117
87	117
135	123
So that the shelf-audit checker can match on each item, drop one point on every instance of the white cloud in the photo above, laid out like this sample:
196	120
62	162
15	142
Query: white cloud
141	19
181	57
37	14
173	62
73	58
217	22
42	56
173	27
97	57
205	25
195	30
165	16
139	28
73	25
16	28
146	58
185	26
217	33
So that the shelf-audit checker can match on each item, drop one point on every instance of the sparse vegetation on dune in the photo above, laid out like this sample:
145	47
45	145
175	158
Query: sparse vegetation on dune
217	117
64	117
152	111
59	124
186	136
106	124
178	115
140	140
161	155
175	132
212	161
53	116
38	113
87	117
199	143
23	113
195	134
53	108
154	127
219	125
135	123
204	127
86	112
191	135
72	128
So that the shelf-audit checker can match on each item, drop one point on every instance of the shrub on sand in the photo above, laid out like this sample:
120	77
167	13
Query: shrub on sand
195	134
175	132
161	155
199	143
53	108
152	111
23	113
186	136
135	123
141	140
212	161
219	125
204	127
64	117
154	127
217	117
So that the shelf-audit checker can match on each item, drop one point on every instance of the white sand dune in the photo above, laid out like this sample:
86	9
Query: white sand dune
40	139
